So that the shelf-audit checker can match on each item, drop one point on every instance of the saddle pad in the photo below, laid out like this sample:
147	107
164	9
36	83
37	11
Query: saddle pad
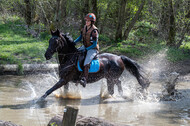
94	66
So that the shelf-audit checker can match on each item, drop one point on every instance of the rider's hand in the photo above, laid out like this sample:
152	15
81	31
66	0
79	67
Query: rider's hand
73	43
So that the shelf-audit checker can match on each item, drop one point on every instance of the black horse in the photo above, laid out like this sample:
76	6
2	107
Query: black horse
111	66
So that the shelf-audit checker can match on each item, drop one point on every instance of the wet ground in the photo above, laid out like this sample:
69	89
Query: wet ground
18	92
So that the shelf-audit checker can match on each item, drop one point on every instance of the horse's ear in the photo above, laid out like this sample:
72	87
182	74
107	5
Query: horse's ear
51	32
57	32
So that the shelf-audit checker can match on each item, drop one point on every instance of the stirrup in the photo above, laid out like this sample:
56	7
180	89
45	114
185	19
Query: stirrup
83	81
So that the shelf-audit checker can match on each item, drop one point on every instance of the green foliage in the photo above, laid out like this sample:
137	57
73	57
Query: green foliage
175	55
45	35
53	124
16	46
144	29
104	38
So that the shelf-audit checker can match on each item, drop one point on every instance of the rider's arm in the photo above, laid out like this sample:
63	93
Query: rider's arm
94	40
92	46
78	39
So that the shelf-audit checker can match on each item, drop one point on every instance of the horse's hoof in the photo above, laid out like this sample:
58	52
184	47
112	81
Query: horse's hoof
83	82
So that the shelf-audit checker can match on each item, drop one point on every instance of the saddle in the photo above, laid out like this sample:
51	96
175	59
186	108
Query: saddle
94	65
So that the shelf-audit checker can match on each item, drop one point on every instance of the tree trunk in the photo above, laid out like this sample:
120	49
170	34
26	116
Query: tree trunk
63	9
121	20
84	12
126	33
188	8
44	14
95	10
57	18
28	13
164	21
172	29
105	18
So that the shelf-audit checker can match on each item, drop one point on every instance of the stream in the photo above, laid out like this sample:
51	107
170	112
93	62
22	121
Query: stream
18	92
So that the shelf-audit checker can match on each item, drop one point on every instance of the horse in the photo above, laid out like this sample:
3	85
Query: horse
111	66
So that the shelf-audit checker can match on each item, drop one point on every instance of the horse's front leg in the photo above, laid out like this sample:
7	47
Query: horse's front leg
59	84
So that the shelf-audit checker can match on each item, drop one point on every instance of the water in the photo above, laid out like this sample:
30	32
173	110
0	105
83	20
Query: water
17	92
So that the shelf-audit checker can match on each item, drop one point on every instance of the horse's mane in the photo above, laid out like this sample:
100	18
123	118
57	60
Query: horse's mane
68	37
69	40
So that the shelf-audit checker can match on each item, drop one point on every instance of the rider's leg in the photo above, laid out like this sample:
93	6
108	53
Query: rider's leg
85	75
89	57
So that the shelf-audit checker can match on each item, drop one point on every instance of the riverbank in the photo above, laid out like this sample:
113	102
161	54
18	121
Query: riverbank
181	67
81	121
15	69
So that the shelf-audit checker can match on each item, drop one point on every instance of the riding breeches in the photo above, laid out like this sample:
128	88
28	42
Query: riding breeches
89	55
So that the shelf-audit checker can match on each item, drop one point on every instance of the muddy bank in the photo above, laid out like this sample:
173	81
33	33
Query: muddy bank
181	67
6	123
83	121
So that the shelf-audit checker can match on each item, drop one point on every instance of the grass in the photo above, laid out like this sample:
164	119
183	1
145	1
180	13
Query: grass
175	55
18	47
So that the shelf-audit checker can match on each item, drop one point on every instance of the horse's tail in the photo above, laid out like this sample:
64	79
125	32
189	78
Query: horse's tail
134	69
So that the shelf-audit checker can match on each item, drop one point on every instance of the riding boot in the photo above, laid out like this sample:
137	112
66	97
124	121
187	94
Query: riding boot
84	78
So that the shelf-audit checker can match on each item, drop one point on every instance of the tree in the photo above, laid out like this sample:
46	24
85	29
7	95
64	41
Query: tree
57	14
121	20
133	21
171	33
95	10
84	12
63	9
105	17
28	13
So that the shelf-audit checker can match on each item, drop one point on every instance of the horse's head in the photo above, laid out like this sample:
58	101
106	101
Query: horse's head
56	44
61	43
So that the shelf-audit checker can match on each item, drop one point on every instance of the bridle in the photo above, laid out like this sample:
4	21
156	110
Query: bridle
61	41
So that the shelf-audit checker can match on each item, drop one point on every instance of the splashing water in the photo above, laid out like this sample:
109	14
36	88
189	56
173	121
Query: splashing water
73	92
156	64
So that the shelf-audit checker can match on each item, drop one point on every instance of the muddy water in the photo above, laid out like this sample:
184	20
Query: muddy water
17	93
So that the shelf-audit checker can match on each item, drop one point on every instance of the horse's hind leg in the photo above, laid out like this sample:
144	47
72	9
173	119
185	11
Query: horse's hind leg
110	85
120	90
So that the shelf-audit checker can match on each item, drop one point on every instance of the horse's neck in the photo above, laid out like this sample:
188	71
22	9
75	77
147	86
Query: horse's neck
64	57
61	58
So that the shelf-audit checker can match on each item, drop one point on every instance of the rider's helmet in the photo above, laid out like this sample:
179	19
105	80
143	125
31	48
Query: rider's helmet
91	17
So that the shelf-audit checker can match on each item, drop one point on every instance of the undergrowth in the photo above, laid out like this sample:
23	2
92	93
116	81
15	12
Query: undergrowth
17	46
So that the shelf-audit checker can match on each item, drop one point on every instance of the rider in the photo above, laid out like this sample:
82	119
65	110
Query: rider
89	34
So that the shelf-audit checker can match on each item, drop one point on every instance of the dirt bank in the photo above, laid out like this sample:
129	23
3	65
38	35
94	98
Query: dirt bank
13	69
181	67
